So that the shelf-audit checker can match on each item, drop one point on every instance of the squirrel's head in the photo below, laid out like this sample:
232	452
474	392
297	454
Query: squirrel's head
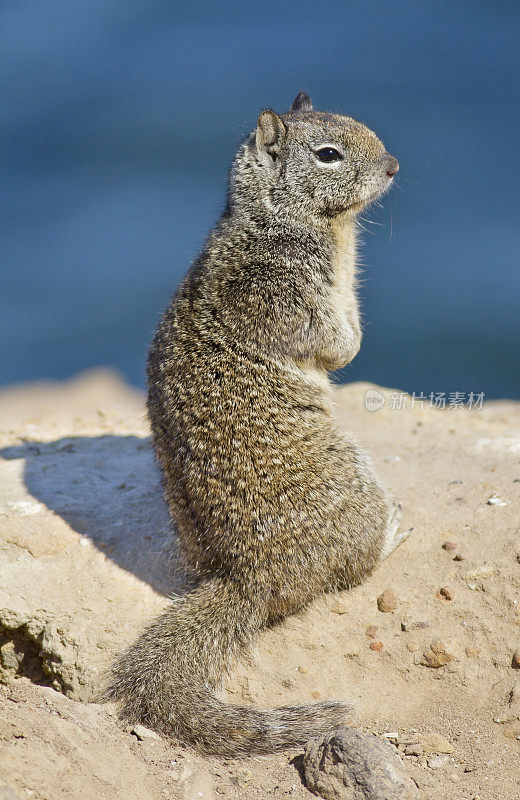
309	164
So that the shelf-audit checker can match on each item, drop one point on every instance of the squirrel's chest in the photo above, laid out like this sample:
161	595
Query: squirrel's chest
343	265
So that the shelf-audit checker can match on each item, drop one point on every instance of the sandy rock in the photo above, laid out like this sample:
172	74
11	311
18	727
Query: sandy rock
348	765
46	650
64	749
388	601
442	651
83	573
83	567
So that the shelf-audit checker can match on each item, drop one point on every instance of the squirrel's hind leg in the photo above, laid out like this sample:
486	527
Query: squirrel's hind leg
393	536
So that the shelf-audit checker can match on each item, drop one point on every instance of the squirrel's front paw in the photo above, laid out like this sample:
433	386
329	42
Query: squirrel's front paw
393	536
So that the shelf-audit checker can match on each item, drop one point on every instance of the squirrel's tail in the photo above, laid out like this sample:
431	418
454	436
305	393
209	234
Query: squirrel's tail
166	679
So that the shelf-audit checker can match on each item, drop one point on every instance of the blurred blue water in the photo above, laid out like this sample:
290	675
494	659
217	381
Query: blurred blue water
120	119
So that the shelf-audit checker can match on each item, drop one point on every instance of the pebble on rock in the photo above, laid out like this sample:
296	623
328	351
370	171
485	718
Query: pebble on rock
442	651
143	733
387	601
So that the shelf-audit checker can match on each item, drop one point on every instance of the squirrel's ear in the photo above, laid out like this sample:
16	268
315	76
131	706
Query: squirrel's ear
302	102
270	134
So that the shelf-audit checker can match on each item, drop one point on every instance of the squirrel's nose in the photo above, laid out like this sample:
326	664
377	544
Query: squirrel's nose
392	166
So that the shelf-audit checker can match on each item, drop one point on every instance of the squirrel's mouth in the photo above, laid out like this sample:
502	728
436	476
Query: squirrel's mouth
334	210
359	205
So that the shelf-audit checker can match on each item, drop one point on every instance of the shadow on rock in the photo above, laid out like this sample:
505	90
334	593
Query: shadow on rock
107	488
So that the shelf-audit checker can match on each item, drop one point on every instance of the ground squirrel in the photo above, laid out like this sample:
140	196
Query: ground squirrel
272	502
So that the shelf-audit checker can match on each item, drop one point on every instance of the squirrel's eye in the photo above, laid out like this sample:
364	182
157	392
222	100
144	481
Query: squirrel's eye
328	154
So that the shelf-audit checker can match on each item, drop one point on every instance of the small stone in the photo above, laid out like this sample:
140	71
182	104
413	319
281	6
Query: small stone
442	651
376	646
511	729
438	761
348	764
414	750
494	500
143	733
303	670
458	557
473	651
413	626
392	736
371	631
387	601
450	546
339	607
242	777
446	593
515	661
434	743
484	571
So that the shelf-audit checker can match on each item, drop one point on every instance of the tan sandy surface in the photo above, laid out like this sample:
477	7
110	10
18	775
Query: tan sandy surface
84	563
